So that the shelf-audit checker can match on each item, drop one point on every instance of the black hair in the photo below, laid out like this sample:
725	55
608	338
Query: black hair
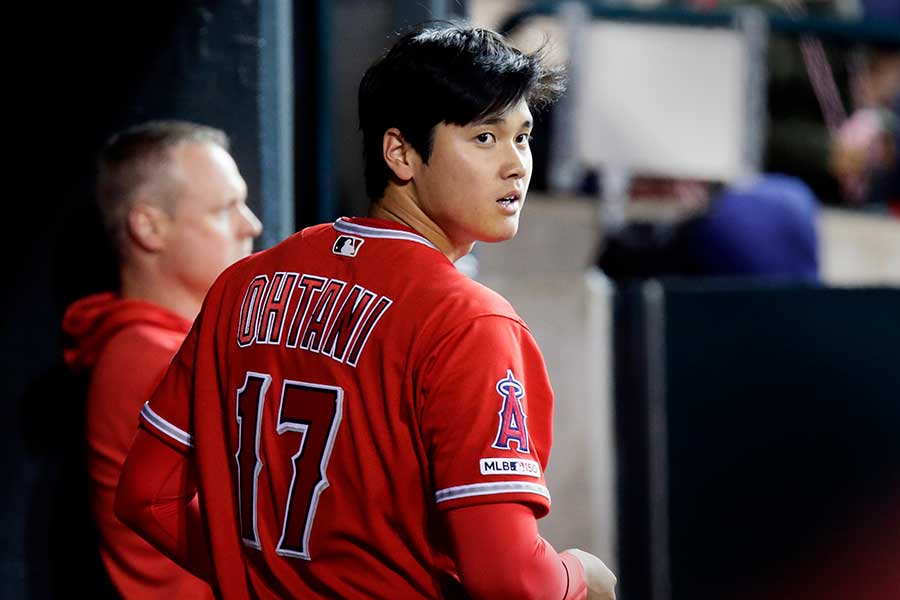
445	73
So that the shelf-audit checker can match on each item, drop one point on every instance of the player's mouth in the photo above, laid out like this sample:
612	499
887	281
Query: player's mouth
510	200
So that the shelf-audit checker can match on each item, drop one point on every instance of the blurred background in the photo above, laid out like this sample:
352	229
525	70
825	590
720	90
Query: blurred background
709	258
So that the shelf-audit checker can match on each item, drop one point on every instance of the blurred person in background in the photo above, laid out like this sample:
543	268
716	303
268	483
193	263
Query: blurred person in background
174	205
865	151
833	110
763	227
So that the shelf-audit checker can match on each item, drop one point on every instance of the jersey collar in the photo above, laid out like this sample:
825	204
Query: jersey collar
380	228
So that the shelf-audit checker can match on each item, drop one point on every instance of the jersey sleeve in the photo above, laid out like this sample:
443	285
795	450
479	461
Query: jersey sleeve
167	415
486	416
157	496
500	554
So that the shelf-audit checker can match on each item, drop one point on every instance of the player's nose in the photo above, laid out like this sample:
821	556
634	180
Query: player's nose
516	163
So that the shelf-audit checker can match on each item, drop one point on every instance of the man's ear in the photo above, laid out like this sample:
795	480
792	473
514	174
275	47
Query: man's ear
147	226
398	154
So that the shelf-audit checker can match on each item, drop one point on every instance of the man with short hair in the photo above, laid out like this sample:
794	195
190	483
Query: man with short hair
361	419
174	205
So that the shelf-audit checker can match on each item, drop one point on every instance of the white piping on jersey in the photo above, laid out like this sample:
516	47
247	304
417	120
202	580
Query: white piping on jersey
377	232
484	489
179	435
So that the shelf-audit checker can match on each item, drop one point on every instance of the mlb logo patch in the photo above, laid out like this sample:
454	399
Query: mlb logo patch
347	245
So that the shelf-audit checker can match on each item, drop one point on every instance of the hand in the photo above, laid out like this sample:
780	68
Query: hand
601	582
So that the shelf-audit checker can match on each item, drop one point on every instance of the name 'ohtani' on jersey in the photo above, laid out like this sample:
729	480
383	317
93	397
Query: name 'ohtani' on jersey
325	316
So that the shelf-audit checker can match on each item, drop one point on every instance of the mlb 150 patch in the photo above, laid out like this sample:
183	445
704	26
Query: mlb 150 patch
510	466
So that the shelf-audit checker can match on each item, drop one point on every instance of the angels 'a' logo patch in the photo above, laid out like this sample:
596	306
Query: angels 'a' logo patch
347	245
512	416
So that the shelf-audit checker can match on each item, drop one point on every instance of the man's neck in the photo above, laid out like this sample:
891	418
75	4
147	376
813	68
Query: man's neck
398	204
139	284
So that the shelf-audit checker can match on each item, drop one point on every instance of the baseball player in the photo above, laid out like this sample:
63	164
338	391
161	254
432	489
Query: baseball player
361	420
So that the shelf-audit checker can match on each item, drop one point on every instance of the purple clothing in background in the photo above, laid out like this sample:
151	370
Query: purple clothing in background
881	10
763	228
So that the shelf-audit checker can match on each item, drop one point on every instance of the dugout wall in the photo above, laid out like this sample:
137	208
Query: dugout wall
758	445
94	69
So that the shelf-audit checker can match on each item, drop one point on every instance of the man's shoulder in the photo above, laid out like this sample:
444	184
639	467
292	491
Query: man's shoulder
455	298
139	342
480	299
133	360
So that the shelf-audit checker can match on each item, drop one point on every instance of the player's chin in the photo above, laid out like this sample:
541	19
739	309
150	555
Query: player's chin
503	232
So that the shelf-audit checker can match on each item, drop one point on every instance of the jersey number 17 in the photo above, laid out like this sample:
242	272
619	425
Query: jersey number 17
313	412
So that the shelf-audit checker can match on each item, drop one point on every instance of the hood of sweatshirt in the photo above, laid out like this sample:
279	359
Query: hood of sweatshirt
89	323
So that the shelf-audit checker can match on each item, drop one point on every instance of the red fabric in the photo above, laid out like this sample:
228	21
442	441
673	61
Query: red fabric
499	551
163	503
501	555
406	383
89	324
128	344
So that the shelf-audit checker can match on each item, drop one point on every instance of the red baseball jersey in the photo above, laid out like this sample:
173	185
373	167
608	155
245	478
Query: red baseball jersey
338	391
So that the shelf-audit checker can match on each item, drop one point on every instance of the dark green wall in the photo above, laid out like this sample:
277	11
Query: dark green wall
88	70
777	412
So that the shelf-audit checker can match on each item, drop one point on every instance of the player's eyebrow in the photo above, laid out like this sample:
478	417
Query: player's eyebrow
500	120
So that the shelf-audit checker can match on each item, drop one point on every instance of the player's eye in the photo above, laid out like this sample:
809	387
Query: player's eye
485	138
524	138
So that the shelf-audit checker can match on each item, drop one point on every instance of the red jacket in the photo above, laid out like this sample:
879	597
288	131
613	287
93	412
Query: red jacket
128	345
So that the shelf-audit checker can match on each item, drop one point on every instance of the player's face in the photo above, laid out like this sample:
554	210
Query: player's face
211	226
474	185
